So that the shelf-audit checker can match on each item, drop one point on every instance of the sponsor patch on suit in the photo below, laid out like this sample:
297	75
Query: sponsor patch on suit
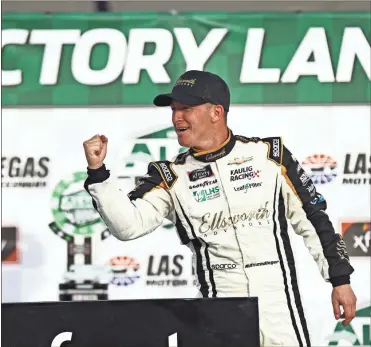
200	173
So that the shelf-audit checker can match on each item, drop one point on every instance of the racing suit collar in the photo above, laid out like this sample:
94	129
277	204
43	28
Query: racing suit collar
217	153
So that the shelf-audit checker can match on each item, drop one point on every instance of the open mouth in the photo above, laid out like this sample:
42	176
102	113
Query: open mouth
181	130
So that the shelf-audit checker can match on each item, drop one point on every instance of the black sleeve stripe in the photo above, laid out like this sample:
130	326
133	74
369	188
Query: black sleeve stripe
181	158
243	139
96	176
301	183
291	185
150	181
290	261
197	246
167	173
314	205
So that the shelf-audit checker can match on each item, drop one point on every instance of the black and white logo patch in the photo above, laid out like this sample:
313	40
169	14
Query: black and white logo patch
200	173
166	172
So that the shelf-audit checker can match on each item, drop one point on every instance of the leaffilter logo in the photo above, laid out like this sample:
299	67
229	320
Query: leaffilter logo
321	168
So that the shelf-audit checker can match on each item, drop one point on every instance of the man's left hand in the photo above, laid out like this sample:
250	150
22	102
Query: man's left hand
344	296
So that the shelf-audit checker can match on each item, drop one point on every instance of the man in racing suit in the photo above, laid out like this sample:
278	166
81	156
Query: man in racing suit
230	197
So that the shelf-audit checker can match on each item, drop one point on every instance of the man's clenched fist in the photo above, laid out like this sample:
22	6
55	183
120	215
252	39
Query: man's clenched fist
95	151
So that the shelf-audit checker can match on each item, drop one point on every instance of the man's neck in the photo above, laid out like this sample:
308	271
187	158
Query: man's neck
214	141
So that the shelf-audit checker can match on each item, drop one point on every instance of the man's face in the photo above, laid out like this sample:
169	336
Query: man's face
191	123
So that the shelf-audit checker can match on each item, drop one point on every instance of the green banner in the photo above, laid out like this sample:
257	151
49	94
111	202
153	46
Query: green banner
126	59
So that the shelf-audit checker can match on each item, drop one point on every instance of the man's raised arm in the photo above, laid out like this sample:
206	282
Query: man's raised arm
128	216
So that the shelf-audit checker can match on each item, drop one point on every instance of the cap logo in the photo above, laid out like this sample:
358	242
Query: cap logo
186	83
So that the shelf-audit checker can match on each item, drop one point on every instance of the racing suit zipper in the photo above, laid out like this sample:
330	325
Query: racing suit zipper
234	228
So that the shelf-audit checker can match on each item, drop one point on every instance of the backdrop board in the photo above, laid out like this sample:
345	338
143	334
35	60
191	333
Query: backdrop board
127	58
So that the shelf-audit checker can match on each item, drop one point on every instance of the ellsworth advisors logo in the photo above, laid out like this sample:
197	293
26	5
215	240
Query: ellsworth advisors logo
357	237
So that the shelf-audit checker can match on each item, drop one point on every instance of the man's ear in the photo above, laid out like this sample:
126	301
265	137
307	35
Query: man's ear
217	113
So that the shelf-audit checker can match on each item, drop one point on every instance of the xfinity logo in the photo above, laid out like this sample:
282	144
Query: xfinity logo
200	173
362	242
67	337
357	237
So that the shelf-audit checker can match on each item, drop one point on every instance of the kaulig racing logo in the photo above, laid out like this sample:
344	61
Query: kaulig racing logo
357	333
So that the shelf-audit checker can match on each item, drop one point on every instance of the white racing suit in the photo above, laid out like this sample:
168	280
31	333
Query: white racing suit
231	207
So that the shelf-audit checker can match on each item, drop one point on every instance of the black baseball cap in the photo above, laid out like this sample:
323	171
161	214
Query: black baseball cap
196	88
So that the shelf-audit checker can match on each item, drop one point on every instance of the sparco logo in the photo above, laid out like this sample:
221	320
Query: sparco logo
276	148
223	266
220	221
166	171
